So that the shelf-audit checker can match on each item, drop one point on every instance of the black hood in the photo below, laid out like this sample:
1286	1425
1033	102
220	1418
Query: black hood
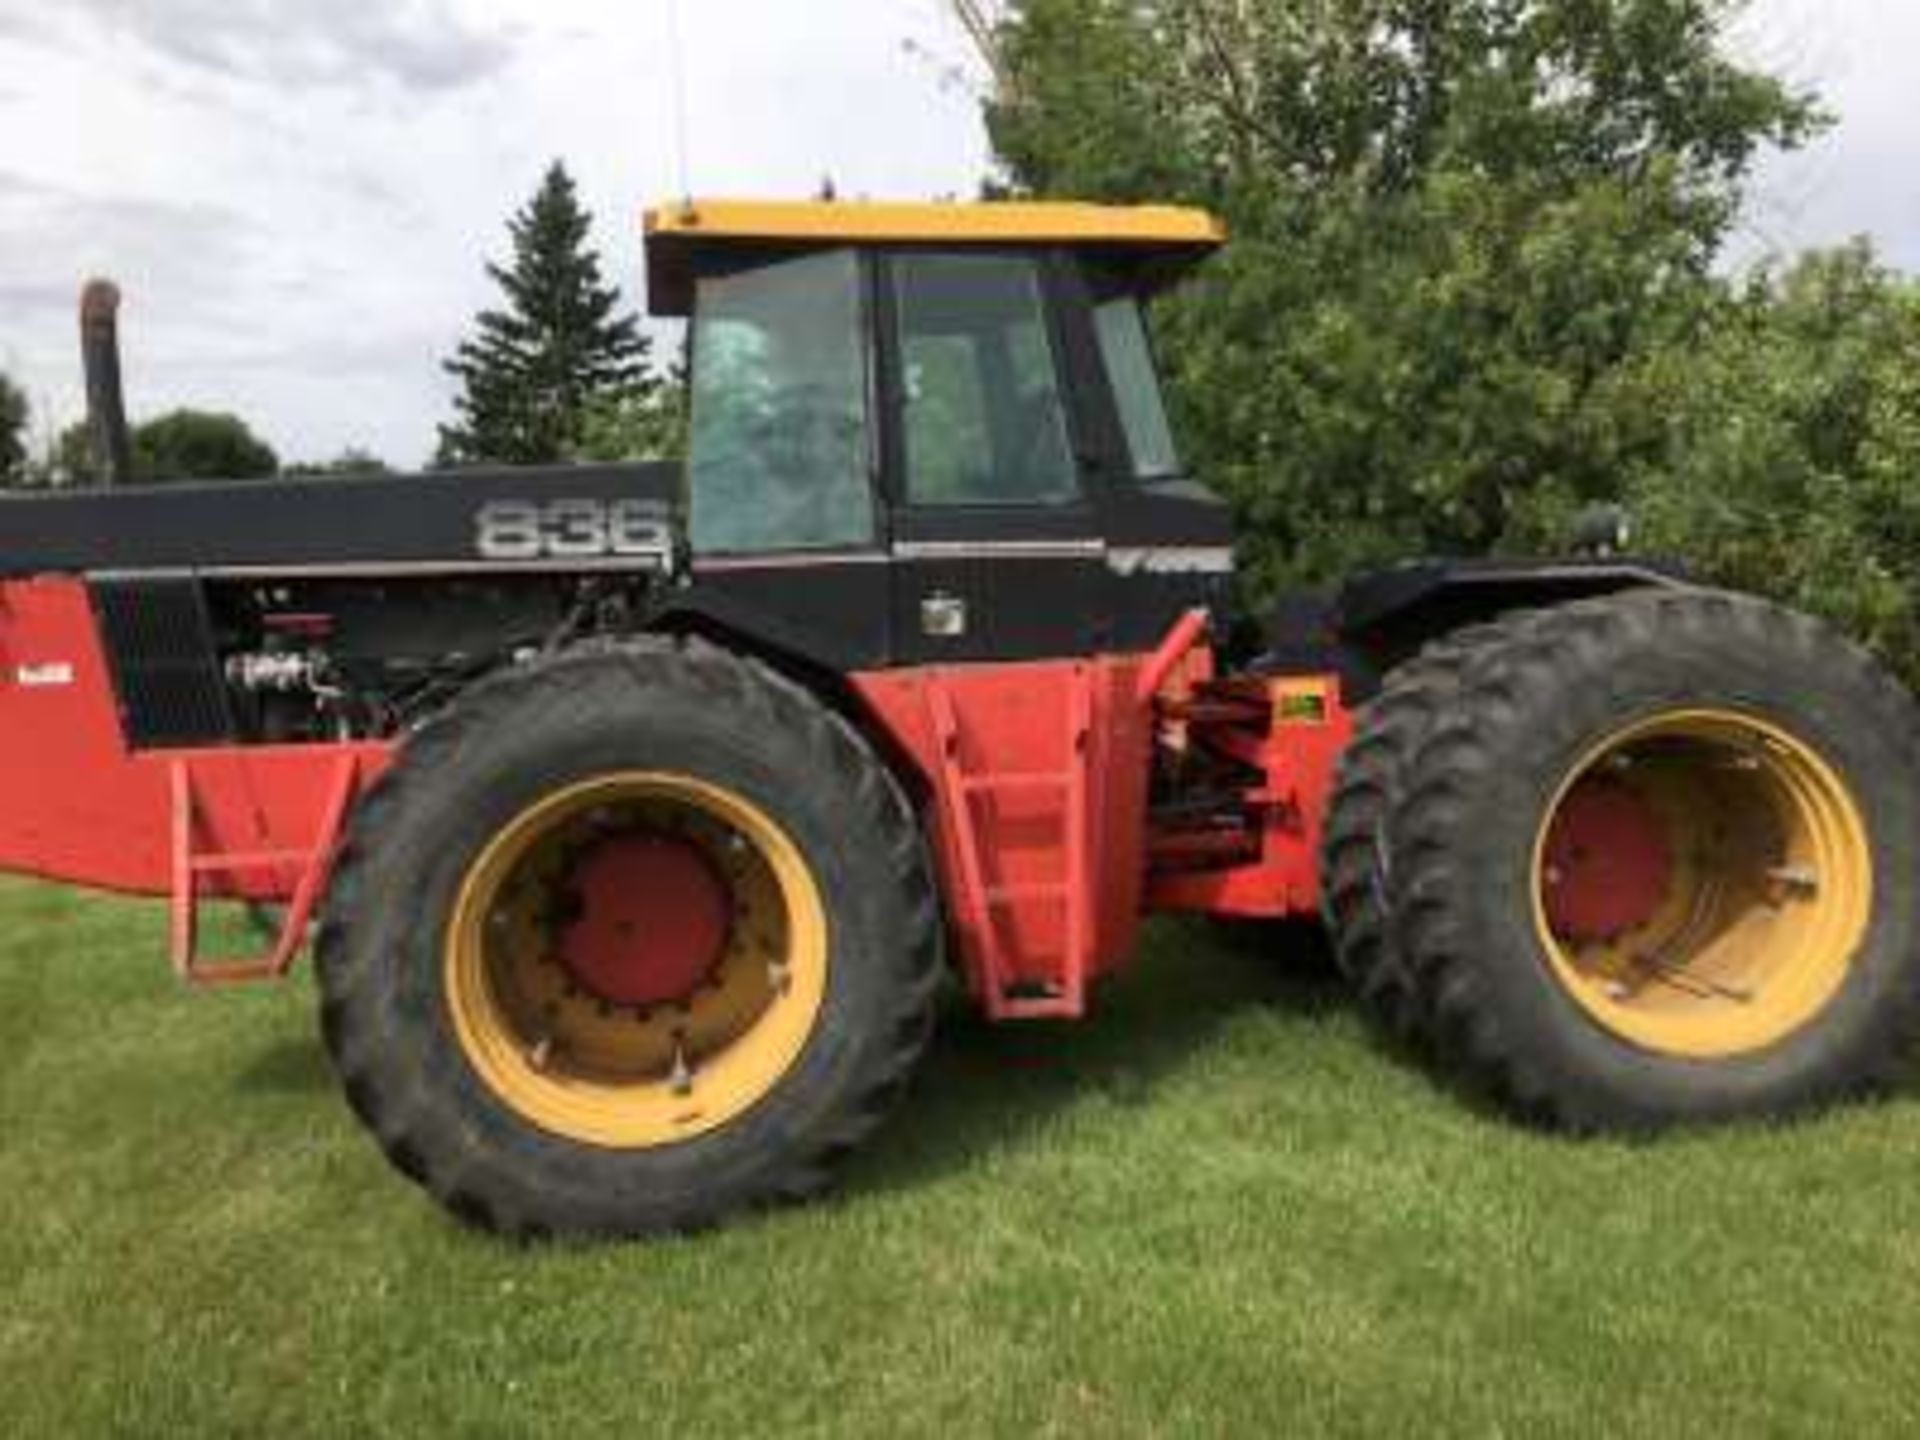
552	518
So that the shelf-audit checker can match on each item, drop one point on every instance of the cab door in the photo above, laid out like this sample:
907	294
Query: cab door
784	526
996	544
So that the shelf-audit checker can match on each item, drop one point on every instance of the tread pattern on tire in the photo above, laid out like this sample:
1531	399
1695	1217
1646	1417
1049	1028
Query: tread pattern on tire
1356	862
1516	669
425	1135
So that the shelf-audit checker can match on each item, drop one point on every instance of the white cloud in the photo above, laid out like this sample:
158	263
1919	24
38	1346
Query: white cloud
1859	178
419	44
298	195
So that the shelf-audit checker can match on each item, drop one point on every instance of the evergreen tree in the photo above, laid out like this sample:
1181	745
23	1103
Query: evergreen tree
534	369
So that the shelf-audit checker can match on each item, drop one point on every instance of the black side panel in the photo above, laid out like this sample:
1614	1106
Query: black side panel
1011	607
1380	618
830	611
384	525
1382	600
166	672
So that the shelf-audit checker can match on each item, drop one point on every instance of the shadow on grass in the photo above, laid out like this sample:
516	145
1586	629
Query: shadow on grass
982	1084
288	1067
984	1087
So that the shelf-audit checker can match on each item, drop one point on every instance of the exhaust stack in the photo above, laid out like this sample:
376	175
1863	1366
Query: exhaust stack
110	445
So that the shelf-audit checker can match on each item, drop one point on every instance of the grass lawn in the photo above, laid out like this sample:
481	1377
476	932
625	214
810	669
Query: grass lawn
1217	1208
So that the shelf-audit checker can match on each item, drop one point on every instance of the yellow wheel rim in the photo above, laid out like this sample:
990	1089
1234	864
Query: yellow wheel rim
614	1071
1758	892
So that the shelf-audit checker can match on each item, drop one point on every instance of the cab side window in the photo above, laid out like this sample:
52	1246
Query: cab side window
983	416
1128	354
780	452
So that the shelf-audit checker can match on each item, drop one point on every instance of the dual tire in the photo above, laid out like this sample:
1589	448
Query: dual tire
1637	861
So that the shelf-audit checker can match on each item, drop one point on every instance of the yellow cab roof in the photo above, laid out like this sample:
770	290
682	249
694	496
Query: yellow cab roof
679	235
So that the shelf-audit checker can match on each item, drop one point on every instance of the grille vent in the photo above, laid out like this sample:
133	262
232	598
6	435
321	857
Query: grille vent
166	671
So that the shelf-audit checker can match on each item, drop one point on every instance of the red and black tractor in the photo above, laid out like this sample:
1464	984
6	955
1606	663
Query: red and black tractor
637	813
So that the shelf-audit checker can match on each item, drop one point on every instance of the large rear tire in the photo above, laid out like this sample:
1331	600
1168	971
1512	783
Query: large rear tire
628	941
1655	864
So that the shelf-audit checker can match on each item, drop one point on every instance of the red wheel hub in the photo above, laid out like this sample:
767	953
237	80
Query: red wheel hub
1607	864
653	920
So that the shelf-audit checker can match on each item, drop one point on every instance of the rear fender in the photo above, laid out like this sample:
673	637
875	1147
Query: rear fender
1381	618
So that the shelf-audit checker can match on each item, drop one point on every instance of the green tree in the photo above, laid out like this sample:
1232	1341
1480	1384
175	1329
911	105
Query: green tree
14	417
536	367
1789	443
68	459
1459	227
200	445
351	461
636	422
180	445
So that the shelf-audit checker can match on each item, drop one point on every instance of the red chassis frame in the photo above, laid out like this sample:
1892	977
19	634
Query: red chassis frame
1036	777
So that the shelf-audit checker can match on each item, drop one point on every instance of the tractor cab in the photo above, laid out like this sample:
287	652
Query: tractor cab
947	416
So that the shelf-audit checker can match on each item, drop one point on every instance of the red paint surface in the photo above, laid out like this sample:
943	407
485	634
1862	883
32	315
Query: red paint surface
1606	865
653	919
1268	865
80	806
1053	760
1047	897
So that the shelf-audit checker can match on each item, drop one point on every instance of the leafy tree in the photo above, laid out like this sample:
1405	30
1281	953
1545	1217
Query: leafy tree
65	460
1460	226
534	369
1789	439
200	445
68	459
180	445
14	415
636	422
351	461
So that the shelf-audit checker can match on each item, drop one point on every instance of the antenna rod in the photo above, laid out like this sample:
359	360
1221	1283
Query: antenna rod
676	58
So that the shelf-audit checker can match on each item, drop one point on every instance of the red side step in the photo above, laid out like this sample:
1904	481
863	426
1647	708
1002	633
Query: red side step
985	902
189	865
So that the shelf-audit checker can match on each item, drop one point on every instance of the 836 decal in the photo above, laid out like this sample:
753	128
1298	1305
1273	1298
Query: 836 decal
573	530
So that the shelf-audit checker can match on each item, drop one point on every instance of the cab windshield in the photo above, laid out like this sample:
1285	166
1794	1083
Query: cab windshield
780	452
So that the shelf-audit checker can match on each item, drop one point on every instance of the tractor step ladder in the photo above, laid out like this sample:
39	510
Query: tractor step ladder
986	902
190	865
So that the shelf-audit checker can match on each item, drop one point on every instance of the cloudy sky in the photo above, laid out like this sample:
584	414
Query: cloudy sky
297	194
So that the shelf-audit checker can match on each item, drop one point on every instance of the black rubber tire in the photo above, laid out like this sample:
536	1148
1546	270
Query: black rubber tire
656	704
1355	851
1527	704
